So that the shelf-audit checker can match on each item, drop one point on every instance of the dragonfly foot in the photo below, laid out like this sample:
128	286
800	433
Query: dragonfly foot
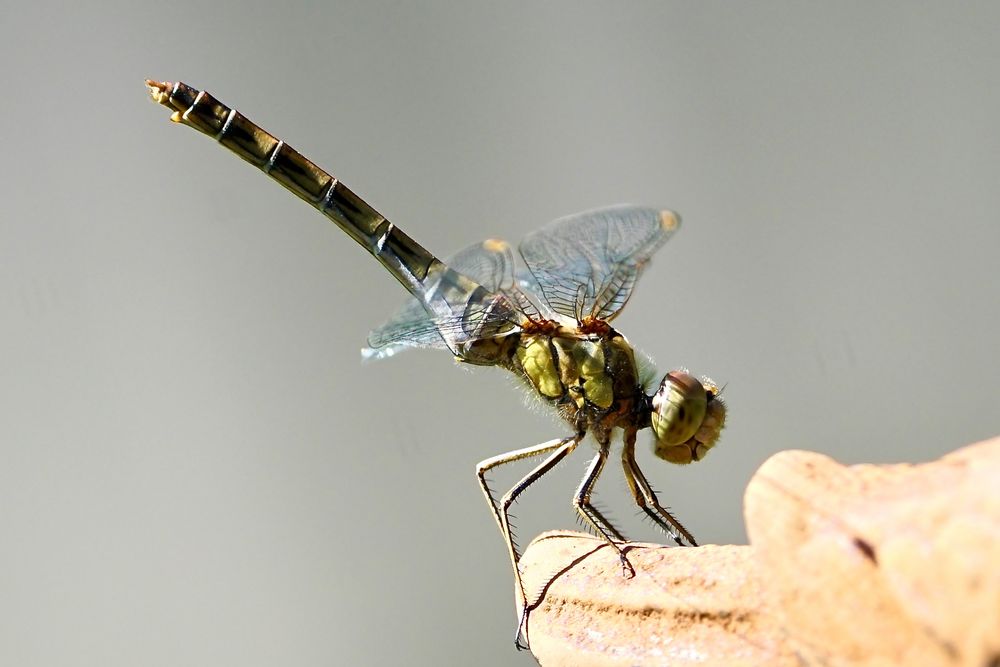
627	570
521	642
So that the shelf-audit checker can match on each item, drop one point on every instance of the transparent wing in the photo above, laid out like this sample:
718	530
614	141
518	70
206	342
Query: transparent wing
586	265
410	326
491	264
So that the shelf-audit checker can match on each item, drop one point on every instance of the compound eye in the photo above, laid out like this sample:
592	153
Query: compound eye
688	416
679	407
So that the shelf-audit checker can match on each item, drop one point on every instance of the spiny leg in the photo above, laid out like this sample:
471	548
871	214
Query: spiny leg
645	497
486	465
597	521
566	446
606	524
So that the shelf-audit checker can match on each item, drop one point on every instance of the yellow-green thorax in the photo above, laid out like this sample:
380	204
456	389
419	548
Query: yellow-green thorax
581	371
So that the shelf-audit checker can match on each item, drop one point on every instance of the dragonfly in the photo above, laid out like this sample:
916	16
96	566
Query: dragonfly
542	313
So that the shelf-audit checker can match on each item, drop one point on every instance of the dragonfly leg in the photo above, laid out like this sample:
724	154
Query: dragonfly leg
560	449
485	466
590	514
645	497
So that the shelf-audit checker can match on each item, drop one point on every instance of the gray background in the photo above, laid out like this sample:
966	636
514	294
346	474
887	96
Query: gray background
197	470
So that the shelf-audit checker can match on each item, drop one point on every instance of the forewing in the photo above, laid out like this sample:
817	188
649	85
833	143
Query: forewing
586	265
491	264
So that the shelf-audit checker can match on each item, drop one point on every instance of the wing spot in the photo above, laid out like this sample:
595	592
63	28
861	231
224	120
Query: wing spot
495	245
669	220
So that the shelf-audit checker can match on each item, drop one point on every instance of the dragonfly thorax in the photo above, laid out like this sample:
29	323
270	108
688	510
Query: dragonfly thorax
591	378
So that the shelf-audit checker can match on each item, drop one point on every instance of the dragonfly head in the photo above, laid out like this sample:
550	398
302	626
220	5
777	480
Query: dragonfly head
687	418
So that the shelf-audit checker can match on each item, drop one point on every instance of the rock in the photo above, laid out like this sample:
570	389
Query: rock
694	606
882	565
860	565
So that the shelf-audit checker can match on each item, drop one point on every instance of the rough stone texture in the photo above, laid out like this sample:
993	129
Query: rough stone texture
882	565
683	606
862	565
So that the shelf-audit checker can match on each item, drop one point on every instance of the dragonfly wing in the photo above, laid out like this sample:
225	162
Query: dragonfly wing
410	326
491	265
586	265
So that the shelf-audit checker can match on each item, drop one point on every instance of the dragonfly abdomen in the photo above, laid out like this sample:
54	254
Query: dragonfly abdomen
447	295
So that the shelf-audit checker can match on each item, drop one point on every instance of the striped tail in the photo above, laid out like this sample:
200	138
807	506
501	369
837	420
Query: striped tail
447	295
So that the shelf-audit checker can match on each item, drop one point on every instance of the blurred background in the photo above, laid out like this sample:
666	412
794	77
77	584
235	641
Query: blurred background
196	469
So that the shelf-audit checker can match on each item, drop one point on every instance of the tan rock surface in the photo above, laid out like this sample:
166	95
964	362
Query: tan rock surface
862	565
882	565
698	606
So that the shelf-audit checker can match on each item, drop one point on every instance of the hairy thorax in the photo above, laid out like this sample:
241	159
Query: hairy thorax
590	377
